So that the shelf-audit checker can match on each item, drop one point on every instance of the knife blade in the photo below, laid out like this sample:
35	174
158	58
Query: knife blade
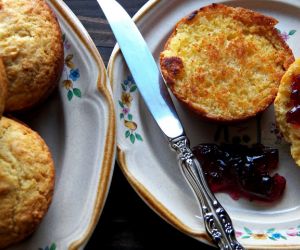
148	78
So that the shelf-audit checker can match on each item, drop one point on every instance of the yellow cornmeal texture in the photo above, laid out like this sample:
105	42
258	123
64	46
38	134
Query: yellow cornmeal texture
26	181
231	67
3	87
282	105
32	50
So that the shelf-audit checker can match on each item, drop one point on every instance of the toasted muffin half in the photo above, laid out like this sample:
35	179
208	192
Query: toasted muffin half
284	104
26	181
225	63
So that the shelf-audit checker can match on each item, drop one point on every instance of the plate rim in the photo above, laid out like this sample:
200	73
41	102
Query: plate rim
140	189
103	87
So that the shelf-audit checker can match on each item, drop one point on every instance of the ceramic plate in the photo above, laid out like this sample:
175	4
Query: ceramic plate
150	166
78	124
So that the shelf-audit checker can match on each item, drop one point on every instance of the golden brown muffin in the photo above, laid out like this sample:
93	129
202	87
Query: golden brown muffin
283	104
26	181
225	63
3	87
32	49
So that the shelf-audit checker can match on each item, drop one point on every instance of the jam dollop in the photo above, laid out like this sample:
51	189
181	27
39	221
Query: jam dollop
293	115
241	171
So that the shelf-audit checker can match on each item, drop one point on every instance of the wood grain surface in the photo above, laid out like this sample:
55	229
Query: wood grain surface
126	223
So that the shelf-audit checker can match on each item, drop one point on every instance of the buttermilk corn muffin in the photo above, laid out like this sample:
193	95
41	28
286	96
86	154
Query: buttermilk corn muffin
287	108
32	50
26	181
3	87
225	63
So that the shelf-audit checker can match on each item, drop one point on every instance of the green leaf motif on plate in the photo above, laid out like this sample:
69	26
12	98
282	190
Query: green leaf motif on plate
52	247
130	117
77	92
286	35
70	95
132	138
133	88
247	230
127	133
246	237
271	230
292	32
121	104
138	137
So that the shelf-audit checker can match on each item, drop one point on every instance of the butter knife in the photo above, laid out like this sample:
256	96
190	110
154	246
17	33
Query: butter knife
155	94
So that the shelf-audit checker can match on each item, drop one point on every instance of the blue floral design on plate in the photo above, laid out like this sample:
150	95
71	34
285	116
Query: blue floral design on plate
74	74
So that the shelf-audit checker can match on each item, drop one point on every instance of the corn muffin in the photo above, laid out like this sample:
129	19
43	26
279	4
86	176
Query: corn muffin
287	108
3	87
32	50
26	181
225	63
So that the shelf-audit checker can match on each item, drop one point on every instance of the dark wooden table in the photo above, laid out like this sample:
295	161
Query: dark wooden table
126	223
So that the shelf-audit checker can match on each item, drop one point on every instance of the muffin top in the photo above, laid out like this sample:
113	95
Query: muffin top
225	63
32	50
26	181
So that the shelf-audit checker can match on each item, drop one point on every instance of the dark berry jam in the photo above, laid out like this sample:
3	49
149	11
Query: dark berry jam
293	115
241	171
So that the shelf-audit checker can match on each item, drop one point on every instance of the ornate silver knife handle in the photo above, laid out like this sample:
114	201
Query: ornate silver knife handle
217	222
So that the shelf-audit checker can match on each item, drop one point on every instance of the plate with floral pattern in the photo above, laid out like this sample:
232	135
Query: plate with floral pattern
151	167
78	123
